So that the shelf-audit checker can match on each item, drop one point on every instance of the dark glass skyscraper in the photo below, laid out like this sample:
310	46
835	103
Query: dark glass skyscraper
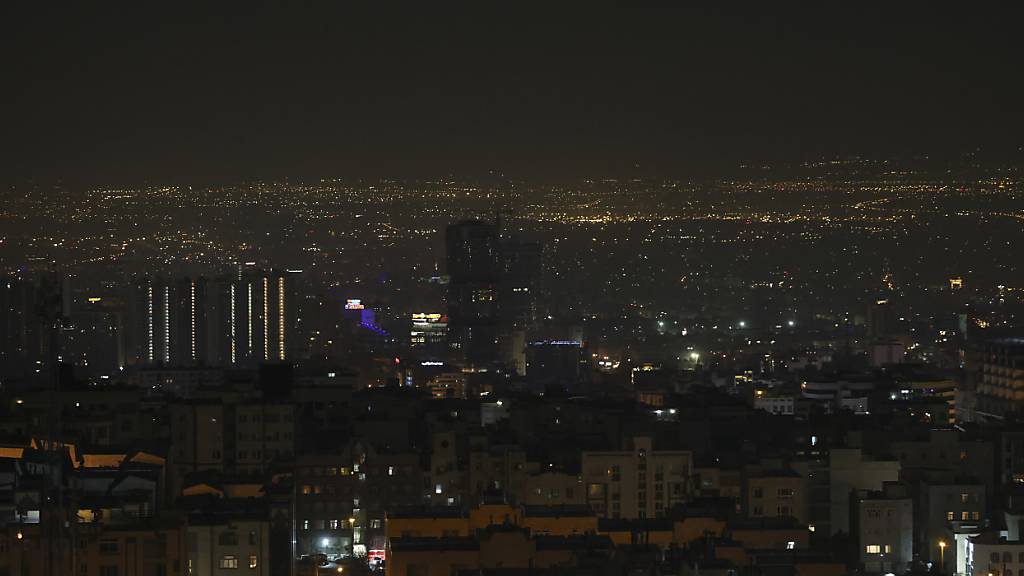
473	266
22	332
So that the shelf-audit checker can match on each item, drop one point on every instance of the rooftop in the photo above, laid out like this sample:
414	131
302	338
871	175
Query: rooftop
428	512
558	511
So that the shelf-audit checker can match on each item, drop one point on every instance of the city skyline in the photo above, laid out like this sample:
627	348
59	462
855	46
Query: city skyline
496	290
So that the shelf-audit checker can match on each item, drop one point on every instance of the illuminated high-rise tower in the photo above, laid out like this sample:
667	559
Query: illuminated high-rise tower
245	317
190	330
168	323
148	335
257	315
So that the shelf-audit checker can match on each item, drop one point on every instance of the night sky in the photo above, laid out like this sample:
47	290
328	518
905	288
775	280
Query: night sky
119	92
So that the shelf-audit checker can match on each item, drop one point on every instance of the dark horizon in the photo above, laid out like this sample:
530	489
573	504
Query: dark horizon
117	93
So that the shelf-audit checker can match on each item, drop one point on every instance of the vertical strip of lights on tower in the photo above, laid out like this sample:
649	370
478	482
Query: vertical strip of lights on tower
192	317
167	324
266	319
280	317
233	349
149	322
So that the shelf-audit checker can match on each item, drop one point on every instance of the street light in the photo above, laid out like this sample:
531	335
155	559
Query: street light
21	552
942	553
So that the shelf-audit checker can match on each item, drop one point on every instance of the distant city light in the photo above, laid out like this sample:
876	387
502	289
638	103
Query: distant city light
556	343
